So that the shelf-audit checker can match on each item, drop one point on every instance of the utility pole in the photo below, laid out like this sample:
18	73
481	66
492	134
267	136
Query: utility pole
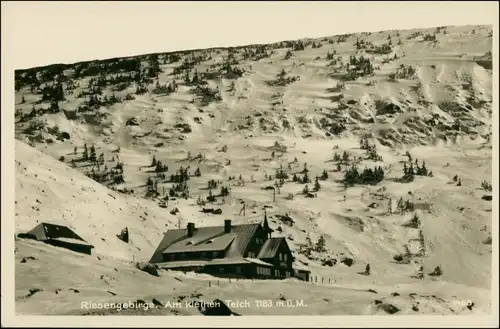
244	214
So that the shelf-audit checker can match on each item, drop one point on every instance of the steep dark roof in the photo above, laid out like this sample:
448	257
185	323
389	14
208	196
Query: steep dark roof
47	231
270	247
204	241
178	241
265	225
244	232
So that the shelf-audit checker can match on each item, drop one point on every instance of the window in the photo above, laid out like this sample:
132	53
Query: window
276	273
285	258
238	269
281	257
221	270
251	254
288	274
215	254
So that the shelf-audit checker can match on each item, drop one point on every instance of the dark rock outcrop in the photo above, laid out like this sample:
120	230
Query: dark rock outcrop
219	308
148	268
132	122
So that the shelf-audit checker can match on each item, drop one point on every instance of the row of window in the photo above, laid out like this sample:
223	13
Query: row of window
263	270
267	271
204	254
283	257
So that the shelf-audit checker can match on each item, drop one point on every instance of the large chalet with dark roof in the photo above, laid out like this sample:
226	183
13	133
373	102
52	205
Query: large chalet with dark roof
243	250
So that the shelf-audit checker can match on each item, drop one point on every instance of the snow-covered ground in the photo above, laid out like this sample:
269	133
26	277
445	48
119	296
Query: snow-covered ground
355	222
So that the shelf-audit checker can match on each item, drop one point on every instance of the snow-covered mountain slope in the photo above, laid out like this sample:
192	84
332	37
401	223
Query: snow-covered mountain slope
239	115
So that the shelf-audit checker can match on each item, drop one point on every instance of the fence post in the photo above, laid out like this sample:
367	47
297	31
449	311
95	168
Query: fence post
209	284
218	283
328	280
322	279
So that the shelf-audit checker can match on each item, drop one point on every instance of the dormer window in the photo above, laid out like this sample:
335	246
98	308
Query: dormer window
189	242
210	241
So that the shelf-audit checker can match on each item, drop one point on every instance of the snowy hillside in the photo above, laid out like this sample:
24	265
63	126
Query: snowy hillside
332	125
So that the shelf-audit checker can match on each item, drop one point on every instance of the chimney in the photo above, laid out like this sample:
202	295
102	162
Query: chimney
190	228
227	226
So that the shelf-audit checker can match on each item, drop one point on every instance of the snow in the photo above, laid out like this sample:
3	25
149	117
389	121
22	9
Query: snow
69	240
454	227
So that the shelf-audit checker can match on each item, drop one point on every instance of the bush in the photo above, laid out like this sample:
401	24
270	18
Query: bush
430	37
414	222
405	205
404	258
305	191
410	171
224	191
317	186
211	197
212	184
369	176
281	174
206	94
320	245
437	271
486	186
282	79
406	72
382	50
